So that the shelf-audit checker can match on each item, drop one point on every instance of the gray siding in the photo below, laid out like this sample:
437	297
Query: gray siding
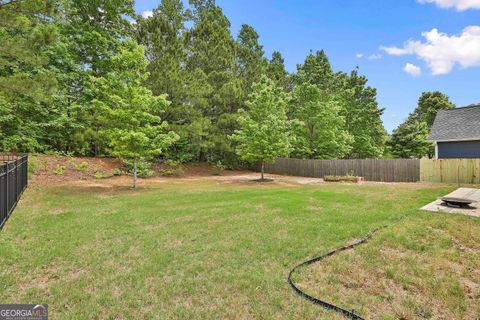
459	149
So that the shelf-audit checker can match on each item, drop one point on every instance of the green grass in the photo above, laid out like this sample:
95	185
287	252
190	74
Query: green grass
205	250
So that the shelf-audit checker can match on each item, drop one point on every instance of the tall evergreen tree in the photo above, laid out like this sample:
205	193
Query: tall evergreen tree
277	72
316	70
211	53
362	115
163	35
250	61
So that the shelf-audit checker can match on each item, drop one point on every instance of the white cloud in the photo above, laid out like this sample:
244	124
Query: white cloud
412	70
375	56
359	55
147	14
459	5
441	51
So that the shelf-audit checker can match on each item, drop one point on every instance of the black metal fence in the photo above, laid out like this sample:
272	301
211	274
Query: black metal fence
13	181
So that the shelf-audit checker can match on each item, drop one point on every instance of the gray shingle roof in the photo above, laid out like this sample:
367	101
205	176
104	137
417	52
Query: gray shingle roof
456	124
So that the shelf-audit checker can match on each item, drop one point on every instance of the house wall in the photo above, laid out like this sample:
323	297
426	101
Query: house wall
458	149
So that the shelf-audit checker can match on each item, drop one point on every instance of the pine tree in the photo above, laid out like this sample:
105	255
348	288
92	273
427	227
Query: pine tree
316	70
362	115
251	64
211	53
277	72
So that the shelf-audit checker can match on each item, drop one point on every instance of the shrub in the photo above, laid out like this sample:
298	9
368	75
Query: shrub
218	168
99	175
109	174
115	172
173	169
82	167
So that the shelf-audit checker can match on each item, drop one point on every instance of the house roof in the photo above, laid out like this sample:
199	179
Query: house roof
457	124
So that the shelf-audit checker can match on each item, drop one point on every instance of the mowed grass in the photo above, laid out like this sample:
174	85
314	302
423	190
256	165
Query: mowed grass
207	250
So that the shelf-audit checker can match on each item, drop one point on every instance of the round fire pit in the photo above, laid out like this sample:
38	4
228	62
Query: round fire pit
457	202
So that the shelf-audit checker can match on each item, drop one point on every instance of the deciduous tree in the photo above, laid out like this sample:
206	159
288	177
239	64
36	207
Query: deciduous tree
264	132
127	112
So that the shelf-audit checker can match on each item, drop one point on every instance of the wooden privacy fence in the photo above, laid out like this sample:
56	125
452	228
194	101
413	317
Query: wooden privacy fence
461	171
13	180
387	170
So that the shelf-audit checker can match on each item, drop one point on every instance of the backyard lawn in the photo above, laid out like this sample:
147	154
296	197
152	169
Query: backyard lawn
204	249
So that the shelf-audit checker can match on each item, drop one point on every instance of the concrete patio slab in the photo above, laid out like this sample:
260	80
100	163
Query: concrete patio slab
467	193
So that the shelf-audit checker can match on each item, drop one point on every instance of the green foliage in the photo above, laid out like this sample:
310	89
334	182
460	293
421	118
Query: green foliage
109	174
126	111
74	79
143	168
59	170
321	132
82	167
27	81
362	116
277	72
218	168
33	164
409	140
264	131
341	119
173	169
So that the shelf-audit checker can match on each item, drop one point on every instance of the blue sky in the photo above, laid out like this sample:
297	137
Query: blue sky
353	33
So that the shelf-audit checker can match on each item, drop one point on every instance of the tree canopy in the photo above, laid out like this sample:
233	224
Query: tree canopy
409	140
94	78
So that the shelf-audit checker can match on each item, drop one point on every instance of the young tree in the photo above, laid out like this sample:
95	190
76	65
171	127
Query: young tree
321	131
264	133
127	112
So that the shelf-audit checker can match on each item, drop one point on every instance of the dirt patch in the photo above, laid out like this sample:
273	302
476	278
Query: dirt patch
86	172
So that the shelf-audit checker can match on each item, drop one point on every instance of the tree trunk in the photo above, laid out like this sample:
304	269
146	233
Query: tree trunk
263	168
135	173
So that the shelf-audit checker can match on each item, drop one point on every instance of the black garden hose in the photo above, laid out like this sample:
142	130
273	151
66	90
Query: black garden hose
327	305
